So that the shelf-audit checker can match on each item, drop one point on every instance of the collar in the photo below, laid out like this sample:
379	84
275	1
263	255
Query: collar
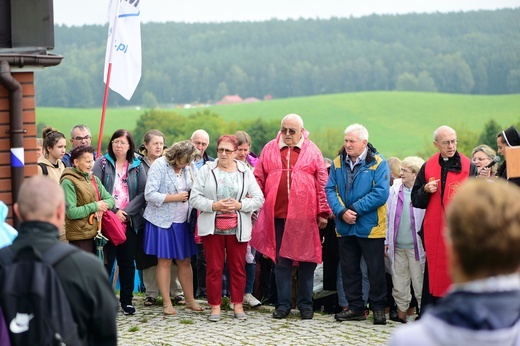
360	158
491	284
31	229
281	143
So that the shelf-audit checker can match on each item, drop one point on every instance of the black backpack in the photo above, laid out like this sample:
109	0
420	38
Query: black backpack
35	307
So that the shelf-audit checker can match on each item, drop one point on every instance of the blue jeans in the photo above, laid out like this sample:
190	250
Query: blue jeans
283	274
342	300
250	277
351	250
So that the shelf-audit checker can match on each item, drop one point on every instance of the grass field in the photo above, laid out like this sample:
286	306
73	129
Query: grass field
399	123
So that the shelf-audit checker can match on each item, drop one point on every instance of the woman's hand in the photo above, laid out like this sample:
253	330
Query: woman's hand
226	205
102	206
121	215
183	196
178	197
484	173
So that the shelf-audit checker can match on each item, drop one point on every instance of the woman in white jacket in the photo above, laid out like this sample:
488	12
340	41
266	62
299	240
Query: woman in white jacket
226	194
403	244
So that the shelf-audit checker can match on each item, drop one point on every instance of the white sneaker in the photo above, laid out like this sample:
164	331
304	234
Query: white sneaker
410	318
251	301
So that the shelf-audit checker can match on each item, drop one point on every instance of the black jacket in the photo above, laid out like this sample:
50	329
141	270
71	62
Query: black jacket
420	199
85	281
502	173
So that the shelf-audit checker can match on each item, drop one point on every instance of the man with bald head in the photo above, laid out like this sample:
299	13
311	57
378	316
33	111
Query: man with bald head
41	208
201	140
436	184
292	175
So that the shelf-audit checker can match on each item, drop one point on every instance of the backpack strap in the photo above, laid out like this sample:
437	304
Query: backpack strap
53	255
57	252
43	166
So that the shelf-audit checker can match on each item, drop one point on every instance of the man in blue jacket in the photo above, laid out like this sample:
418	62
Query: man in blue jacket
357	191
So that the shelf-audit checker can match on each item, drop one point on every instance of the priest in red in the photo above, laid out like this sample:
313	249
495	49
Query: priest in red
435	186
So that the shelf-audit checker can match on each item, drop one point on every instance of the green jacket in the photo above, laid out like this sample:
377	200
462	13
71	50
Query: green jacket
81	201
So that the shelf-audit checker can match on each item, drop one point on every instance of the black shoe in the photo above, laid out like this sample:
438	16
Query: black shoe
394	316
128	309
350	315
279	313
306	313
149	301
379	317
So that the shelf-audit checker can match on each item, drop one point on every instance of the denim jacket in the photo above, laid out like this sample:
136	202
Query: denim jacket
161	182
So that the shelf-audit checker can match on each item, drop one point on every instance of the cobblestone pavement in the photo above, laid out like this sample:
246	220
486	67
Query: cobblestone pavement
150	327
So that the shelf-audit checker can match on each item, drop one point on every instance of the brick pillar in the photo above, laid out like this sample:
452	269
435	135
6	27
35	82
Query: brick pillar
26	79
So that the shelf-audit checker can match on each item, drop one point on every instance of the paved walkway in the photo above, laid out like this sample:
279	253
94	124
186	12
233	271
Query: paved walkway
150	327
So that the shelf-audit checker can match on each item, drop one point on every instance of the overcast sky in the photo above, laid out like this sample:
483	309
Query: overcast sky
79	12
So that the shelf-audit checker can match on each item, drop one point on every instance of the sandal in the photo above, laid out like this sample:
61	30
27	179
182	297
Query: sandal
194	306
149	301
169	310
179	300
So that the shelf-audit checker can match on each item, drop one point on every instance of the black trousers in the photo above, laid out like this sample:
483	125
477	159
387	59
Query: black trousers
125	255
350	251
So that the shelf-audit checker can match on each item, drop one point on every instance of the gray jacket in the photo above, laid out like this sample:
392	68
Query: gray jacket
105	170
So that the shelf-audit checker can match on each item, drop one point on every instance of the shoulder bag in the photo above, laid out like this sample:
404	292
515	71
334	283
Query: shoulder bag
111	226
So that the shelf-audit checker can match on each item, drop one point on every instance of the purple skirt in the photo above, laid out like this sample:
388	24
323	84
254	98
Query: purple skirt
176	242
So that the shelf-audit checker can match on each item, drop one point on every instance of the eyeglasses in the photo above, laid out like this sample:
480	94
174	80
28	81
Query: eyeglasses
82	138
452	142
475	159
223	150
404	170
119	143
291	131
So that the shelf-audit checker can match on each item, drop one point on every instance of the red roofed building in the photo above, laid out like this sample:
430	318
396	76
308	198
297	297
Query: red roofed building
229	99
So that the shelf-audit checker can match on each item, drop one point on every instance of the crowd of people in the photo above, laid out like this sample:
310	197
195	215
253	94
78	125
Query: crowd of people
197	226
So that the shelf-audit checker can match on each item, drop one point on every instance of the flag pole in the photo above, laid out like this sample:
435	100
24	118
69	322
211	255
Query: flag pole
104	110
107	85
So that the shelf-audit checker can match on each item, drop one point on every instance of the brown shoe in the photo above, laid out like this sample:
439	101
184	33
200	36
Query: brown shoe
193	306
169	310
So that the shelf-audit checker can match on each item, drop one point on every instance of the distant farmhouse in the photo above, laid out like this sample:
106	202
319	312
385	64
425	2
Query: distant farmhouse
231	99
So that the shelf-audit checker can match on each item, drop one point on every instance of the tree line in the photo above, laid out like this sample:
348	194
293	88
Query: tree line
460	52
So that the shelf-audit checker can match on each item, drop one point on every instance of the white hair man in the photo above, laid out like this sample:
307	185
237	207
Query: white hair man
357	191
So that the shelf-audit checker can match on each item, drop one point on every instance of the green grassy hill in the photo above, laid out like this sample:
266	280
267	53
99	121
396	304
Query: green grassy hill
399	123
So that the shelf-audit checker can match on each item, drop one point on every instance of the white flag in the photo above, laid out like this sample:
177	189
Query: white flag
124	47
